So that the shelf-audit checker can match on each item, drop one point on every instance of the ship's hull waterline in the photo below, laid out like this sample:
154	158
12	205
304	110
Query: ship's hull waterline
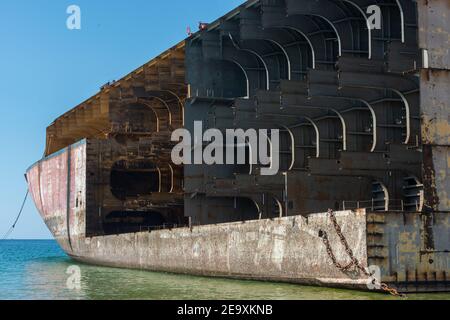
288	249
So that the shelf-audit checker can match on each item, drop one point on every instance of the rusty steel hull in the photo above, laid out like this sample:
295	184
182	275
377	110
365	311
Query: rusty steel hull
286	249
363	124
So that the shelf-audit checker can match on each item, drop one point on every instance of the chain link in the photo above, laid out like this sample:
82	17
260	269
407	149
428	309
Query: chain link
354	265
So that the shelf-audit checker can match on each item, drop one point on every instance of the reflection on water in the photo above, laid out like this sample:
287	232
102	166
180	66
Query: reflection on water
37	270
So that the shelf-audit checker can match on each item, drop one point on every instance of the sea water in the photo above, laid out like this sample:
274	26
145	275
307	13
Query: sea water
39	269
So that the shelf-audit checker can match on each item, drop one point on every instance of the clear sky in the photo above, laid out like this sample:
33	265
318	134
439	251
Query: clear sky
47	69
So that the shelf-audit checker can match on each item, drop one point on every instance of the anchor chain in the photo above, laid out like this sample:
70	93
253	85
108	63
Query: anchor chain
354	264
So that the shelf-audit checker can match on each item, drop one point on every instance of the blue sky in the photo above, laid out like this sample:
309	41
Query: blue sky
47	69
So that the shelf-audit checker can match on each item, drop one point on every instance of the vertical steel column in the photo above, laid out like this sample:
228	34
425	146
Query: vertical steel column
434	39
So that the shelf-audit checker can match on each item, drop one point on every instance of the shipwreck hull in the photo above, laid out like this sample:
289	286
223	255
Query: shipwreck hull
288	249
57	185
363	126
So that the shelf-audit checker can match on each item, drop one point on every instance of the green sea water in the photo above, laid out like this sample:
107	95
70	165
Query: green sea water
32	270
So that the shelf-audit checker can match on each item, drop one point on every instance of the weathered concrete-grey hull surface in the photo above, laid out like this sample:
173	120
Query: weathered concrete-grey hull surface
279	250
284	250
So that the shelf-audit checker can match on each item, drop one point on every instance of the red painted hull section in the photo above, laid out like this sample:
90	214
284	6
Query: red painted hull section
58	187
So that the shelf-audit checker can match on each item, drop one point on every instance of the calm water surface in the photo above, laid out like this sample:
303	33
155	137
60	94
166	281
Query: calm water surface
37	270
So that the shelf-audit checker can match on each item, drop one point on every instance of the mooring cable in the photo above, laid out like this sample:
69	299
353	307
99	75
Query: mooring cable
8	233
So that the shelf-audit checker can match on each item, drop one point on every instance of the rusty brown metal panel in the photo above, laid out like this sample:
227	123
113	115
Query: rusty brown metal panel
435	98
441	156
434	32
436	177
411	248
